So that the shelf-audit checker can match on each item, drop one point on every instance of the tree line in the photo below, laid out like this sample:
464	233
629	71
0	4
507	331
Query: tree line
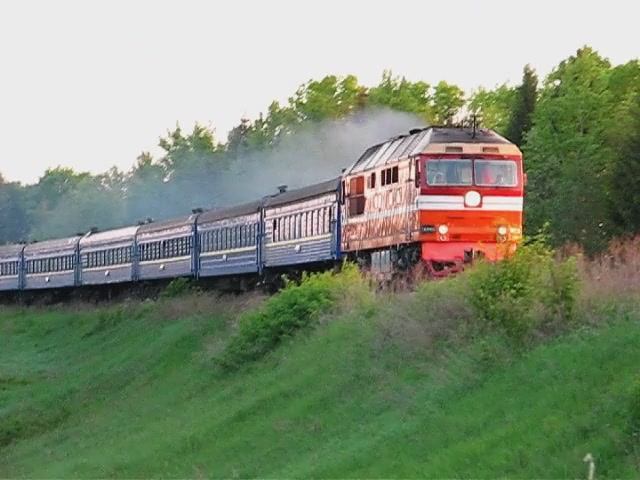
579	130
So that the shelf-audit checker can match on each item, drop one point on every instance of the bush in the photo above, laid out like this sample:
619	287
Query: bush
178	287
528	292
561	289
295	307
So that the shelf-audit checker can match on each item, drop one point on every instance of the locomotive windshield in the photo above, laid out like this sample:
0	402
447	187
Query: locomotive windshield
495	173
449	172
463	172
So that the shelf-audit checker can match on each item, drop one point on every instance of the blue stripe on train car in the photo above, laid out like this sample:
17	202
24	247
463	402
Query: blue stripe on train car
9	282
50	280
107	275
166	268
303	250
228	263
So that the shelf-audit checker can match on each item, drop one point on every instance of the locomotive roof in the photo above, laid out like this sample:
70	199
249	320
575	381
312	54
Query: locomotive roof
55	245
229	212
170	224
303	193
110	236
404	146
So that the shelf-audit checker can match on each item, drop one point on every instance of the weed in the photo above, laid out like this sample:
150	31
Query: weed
426	320
111	317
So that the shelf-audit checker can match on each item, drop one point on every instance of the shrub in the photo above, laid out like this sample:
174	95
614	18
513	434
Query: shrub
530	291
178	287
295	307
561	289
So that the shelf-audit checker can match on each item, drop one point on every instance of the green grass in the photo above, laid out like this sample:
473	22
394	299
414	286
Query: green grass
135	392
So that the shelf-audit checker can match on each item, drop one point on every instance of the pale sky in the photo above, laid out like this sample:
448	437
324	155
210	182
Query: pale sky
90	84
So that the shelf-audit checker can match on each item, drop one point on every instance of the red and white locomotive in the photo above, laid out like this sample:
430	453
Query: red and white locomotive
439	195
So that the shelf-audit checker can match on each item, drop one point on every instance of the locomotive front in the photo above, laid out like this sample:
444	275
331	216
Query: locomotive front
470	200
441	196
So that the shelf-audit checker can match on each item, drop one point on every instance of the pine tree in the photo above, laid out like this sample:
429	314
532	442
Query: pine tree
523	107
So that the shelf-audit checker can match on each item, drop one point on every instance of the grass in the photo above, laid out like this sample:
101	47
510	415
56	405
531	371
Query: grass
361	391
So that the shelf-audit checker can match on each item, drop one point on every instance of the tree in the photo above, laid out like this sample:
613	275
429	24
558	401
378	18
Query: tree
446	101
144	187
625	178
493	107
566	154
329	98
184	151
193	163
13	212
524	105
54	184
238	140
95	201
400	94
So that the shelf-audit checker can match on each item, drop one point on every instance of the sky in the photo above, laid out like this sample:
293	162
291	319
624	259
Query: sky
91	84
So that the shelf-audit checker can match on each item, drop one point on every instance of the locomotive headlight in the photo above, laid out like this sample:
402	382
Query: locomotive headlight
502	230
443	229
472	199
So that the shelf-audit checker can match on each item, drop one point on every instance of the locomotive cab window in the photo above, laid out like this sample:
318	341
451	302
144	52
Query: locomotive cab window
466	172
496	173
450	172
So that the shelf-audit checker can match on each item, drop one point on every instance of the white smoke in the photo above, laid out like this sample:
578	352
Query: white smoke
316	153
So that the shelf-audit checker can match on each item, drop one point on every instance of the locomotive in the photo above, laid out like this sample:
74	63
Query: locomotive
437	197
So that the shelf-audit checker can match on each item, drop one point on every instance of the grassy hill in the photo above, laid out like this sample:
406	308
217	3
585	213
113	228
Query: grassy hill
361	384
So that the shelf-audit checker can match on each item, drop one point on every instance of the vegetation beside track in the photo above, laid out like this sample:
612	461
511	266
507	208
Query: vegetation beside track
518	369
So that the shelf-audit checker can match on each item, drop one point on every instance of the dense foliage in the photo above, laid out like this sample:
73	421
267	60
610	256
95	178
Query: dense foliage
529	292
579	131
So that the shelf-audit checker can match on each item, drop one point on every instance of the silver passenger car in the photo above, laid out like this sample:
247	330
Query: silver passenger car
229	240
108	257
166	249
302	226
51	264
11	267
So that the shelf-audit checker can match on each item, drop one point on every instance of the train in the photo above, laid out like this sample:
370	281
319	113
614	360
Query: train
437	197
